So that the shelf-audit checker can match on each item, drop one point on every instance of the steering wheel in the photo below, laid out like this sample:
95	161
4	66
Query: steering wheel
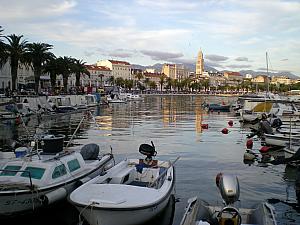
233	212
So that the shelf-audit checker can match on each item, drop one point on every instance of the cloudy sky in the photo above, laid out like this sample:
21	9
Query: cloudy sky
233	34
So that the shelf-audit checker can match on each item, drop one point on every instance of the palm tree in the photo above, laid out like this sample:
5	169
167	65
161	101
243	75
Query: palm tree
111	80
128	84
147	82
139	76
119	81
65	67
169	82
152	85
38	55
162	81
51	67
79	68
14	52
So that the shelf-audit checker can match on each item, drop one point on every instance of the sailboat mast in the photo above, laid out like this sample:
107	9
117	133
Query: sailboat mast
267	72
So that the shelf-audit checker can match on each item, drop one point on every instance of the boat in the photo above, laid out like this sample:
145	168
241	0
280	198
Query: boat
219	107
199	212
116	98
60	104
280	139
133	97
43	177
132	192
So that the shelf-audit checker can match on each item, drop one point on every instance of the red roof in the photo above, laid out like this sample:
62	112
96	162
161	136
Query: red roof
97	68
119	62
233	74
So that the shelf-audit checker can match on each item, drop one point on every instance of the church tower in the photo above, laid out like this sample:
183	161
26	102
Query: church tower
199	64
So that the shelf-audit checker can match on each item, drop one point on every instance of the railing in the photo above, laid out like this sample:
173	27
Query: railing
23	171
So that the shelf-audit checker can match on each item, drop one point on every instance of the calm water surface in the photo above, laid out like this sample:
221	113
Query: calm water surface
173	123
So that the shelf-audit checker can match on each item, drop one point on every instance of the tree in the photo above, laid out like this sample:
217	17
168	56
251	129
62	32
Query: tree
51	67
152	85
14	52
65	67
128	84
162	81
169	82
111	80
147	82
38	55
79	68
119	81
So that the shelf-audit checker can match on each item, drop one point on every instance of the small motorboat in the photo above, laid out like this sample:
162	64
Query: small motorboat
219	107
199	212
44	177
132	192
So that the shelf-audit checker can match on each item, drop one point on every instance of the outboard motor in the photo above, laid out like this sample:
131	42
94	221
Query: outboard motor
148	150
266	127
276	123
229	188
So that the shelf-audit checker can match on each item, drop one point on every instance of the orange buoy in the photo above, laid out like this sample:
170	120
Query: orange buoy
225	131
204	126
249	144
230	123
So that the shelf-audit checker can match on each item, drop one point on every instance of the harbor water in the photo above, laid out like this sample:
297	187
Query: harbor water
173	124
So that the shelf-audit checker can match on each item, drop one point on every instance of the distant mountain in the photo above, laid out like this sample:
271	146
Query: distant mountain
192	67
271	74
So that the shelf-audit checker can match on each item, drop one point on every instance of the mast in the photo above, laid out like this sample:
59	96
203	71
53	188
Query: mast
267	72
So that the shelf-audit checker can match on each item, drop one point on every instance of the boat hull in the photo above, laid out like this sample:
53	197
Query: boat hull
130	216
280	140
24	201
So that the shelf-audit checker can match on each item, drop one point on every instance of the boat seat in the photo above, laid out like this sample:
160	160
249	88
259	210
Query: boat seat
120	177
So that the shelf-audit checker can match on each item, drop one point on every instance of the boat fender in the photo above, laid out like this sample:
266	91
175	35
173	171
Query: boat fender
204	126
230	123
249	144
225	131
54	196
83	181
248	156
264	149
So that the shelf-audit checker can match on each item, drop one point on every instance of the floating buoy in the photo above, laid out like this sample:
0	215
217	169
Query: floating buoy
249	144
204	126
225	131
264	149
230	123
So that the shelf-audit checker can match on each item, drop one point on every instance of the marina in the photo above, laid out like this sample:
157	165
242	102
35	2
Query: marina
175	125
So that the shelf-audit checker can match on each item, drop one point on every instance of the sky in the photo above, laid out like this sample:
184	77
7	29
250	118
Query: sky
232	34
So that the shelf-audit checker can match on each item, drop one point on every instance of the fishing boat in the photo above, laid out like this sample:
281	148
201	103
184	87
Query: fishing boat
133	97
199	212
44	177
132	192
283	140
116	98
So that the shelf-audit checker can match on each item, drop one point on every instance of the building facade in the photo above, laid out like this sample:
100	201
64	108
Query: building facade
175	71
118	68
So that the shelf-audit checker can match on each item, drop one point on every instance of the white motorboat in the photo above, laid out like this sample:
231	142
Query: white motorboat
198	212
43	178
132	192
116	98
283	140
133	97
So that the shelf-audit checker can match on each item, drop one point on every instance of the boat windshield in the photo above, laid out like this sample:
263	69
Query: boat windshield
10	173
35	172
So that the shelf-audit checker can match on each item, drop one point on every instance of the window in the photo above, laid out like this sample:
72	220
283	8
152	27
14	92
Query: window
73	165
10	173
59	171
35	172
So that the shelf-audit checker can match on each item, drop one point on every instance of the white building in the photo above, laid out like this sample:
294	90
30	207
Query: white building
24	74
175	71
118	68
